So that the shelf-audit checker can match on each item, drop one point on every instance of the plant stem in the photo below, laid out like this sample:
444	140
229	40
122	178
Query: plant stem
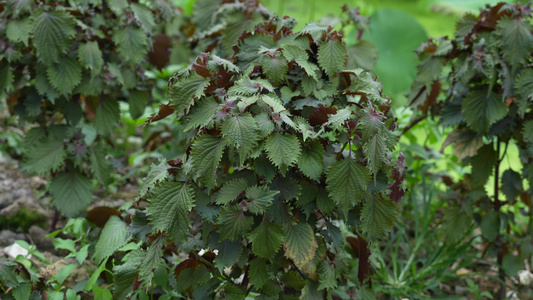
500	159
412	124
497	206
298	270
53	222
208	264
364	263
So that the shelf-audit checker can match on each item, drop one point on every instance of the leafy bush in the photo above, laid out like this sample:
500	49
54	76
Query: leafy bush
487	73
284	146
217	25
64	69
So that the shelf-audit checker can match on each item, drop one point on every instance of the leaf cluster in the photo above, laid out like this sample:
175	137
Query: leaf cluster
65	69
284	145
479	84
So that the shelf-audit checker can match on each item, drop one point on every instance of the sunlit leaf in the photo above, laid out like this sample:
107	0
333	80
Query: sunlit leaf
113	236
332	57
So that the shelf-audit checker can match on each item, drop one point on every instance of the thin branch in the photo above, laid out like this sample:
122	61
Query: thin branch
416	121
497	206
500	159
497	203
300	272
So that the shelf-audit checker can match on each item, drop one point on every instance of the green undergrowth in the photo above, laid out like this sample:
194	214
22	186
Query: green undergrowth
23	219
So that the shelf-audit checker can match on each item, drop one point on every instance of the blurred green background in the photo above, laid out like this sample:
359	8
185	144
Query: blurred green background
397	28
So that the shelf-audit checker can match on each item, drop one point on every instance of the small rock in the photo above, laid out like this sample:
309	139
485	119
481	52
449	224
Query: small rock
526	278
22	202
37	182
8	237
461	290
15	250
512	295
37	235
462	271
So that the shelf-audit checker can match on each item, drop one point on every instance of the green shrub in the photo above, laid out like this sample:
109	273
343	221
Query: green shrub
284	146
486	71
64	69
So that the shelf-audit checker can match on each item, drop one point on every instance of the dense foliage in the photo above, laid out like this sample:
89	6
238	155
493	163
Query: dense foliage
284	146
65	69
278	174
486	71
